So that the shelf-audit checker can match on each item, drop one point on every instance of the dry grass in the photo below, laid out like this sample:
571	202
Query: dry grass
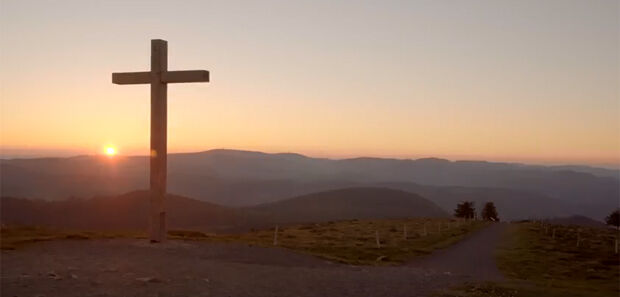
13	237
530	252
354	241
541	264
508	289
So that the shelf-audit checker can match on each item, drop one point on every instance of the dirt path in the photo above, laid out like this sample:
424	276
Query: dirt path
473	256
136	268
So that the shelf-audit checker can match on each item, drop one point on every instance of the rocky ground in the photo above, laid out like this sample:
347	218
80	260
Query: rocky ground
123	267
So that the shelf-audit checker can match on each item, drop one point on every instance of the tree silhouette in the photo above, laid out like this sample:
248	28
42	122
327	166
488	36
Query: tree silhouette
465	210
489	212
613	219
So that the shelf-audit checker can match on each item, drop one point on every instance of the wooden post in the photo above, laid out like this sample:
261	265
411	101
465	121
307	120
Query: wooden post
405	231
578	238
275	236
425	232
553	234
159	64
377	239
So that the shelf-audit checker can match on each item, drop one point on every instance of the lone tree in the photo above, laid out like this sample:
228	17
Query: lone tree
489	212
613	219
465	210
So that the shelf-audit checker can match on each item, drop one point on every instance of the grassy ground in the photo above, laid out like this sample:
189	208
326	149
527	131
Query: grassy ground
355	241
510	289
541	264
16	236
352	242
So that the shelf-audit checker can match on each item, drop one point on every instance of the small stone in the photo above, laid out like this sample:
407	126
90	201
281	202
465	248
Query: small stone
149	279
206	280
73	276
53	275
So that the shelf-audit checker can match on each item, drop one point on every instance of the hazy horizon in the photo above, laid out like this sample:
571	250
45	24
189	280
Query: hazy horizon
34	154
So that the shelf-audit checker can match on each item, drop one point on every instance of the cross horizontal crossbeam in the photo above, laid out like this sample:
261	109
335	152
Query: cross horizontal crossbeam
146	77
158	79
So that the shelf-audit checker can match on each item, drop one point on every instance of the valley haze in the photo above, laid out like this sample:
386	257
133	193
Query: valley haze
234	178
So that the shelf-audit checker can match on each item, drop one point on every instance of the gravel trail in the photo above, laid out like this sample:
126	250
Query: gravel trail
122	267
472	256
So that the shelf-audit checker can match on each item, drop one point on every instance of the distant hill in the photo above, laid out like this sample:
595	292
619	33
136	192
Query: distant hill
351	203
241	178
125	212
130	211
603	172
511	204
577	220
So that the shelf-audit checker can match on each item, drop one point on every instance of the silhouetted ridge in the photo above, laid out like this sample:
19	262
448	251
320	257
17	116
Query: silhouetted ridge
351	203
576	220
130	210
123	212
245	178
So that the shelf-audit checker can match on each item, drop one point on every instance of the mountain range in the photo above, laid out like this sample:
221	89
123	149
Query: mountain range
129	211
243	178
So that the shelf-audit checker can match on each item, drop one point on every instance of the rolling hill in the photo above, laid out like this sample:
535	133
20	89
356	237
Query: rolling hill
511	204
130	211
241	178
576	221
124	212
350	203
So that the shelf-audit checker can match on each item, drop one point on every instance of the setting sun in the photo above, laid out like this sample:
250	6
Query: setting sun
110	151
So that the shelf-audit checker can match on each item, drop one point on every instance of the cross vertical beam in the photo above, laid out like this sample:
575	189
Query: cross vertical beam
159	77
159	150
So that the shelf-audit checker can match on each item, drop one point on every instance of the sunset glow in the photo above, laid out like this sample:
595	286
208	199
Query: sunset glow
110	151
407	79
310	137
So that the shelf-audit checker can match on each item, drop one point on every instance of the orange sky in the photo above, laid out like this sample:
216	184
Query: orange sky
526	81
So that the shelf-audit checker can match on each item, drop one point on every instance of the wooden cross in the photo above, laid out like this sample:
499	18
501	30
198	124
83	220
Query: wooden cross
158	78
